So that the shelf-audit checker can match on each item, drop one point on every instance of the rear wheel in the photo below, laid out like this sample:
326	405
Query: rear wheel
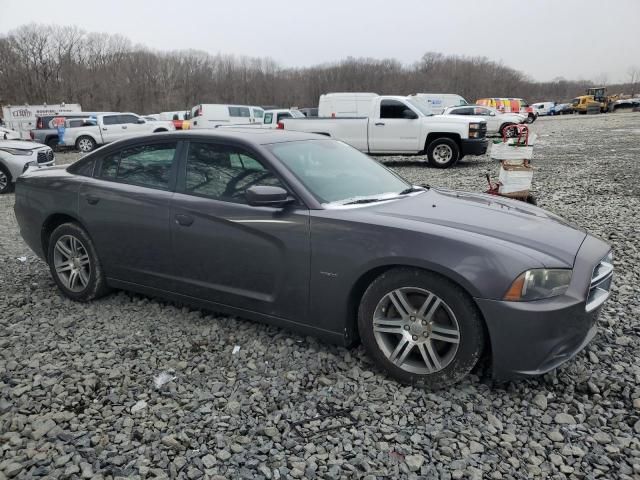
443	152
85	144
420	328
6	182
510	132
74	264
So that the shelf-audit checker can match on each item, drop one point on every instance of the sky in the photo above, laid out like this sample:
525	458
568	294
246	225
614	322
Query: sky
575	39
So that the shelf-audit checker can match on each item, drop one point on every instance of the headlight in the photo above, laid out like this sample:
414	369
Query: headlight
16	151
539	283
475	130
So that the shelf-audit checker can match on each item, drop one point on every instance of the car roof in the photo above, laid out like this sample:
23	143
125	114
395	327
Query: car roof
259	136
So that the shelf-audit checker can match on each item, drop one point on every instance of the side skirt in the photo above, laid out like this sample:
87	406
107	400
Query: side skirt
325	335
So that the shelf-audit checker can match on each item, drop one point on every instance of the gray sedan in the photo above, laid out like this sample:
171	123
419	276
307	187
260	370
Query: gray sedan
305	232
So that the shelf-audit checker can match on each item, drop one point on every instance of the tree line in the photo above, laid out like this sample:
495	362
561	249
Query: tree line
53	64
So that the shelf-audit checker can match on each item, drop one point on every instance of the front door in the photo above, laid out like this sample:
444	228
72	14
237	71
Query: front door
392	132
489	116
125	208
231	253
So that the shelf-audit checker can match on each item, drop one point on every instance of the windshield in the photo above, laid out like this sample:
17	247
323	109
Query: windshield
336	173
420	105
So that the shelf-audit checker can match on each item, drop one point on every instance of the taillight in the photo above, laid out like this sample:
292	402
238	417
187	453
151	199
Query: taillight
39	123
280	126
31	134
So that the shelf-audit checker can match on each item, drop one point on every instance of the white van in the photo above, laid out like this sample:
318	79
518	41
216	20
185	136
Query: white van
210	115
23	118
345	104
439	101
543	108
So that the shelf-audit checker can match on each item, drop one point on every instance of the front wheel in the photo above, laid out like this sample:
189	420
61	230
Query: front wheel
443	153
420	328
74	264
85	144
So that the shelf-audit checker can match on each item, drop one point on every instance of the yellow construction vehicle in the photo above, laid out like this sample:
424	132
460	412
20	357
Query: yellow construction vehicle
596	98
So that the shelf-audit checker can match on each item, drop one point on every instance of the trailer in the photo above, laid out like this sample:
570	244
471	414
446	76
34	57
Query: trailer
23	118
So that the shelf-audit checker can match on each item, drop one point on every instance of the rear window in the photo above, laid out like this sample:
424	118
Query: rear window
239	112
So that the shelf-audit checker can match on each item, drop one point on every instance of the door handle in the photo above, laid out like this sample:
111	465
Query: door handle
105	129
184	220
379	124
92	199
124	126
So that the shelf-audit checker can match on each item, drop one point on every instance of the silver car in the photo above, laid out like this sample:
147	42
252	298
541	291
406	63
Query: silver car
18	155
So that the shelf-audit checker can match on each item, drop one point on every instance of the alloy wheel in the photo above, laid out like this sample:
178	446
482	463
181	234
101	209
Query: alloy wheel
442	154
85	145
71	262
416	330
4	180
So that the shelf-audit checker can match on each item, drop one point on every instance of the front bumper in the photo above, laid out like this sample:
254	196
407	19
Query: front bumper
474	146
532	338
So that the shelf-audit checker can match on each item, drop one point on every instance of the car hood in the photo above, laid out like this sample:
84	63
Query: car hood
451	118
504	219
20	144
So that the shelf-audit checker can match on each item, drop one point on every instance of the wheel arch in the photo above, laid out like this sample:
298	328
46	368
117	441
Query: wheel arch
432	136
52	222
161	129
364	280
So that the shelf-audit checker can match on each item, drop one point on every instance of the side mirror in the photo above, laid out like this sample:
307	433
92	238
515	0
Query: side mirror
267	196
141	120
409	114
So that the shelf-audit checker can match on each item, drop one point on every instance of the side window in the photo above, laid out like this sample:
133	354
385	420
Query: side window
109	166
239	112
481	111
258	113
127	119
224	173
391	109
268	117
283	115
146	165
111	119
463	111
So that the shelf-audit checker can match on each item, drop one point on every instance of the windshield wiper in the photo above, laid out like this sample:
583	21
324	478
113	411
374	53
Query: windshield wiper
412	189
364	200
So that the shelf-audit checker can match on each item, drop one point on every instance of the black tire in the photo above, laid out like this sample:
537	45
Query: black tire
443	153
503	127
96	285
6	181
467	320
85	144
52	142
530	118
531	200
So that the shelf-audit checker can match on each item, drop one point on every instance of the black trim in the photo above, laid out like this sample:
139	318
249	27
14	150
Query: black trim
474	146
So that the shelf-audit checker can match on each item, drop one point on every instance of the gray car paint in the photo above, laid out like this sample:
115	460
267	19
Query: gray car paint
305	266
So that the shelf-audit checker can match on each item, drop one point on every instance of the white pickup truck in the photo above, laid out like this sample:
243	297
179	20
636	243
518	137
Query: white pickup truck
111	127
402	126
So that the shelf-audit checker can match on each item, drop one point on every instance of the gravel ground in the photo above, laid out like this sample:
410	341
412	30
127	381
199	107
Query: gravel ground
78	399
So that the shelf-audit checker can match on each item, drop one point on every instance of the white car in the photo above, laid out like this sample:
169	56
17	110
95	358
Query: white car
110	127
18	155
8	134
212	115
543	108
272	117
496	121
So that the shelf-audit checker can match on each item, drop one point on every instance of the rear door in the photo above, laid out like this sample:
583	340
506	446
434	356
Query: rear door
125	208
231	253
390	131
